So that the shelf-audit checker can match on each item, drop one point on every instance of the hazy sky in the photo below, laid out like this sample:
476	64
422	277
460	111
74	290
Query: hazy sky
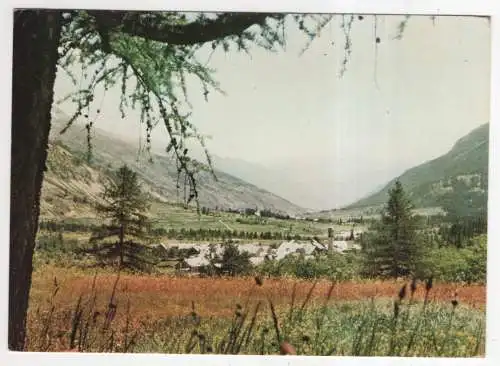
395	107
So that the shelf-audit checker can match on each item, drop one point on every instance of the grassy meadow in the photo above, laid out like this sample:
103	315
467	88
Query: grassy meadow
79	306
75	310
176	217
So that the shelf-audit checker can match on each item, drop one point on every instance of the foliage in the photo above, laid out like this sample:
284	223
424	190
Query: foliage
54	247
466	210
460	231
66	225
214	234
333	266
232	262
392	248
452	264
152	55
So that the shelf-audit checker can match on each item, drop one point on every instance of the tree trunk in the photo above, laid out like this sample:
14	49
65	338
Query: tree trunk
36	37
120	244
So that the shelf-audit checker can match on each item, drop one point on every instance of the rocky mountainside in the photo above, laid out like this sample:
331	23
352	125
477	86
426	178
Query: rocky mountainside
72	183
467	162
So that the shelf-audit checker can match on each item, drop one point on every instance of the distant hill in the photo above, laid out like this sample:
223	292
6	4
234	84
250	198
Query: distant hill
71	182
467	161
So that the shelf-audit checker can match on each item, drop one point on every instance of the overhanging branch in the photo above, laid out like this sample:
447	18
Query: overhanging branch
199	31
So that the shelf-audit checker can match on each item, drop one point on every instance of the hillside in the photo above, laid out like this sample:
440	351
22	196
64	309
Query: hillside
70	179
467	161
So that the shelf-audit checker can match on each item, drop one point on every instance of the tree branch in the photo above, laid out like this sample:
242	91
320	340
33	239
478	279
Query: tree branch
159	28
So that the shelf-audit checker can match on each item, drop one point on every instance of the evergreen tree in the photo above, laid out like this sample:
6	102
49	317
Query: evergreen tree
233	262
391	248
125	210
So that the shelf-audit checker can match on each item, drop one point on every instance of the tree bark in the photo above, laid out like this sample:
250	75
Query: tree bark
36	37
157	29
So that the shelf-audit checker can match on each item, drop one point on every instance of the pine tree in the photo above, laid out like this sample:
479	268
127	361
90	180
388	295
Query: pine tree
125	209
233	262
392	248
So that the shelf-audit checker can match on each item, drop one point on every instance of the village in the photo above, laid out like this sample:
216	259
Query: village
199	254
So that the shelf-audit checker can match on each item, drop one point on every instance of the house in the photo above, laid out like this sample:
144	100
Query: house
320	247
257	260
197	262
182	266
290	247
254	249
161	250
194	264
342	245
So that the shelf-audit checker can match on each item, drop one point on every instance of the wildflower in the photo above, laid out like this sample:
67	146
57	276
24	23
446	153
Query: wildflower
287	349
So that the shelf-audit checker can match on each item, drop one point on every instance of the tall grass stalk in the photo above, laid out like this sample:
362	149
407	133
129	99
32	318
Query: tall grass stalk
301	327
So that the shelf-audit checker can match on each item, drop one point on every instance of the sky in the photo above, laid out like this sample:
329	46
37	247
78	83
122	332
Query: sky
397	105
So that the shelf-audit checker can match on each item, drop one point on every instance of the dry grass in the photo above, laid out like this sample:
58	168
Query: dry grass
72	309
160	297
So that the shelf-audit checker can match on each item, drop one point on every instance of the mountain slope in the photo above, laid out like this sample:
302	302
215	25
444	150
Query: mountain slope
158	177
426	183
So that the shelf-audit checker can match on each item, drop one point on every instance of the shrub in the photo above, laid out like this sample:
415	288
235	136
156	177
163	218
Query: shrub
458	264
233	262
335	266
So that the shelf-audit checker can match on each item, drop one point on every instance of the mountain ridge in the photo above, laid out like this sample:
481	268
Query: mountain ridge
159	177
425	183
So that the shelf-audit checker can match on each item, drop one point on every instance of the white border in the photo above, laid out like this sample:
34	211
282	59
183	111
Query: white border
477	7
443	7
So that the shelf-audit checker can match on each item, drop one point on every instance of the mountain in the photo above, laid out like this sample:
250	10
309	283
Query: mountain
275	180
69	176
318	183
467	161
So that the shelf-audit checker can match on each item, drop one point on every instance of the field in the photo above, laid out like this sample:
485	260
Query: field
347	318
177	217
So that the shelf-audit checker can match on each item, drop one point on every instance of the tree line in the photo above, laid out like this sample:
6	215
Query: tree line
180	234
208	234
56	226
